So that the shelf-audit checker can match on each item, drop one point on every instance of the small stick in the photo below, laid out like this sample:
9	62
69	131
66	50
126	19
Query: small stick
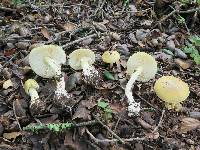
160	122
79	40
7	9
113	133
113	140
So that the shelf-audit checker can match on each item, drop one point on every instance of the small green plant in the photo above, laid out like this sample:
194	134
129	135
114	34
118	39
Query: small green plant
17	2
106	109
192	48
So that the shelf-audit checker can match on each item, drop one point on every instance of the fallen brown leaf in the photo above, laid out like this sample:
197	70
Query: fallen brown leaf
189	124
45	33
182	63
69	26
12	135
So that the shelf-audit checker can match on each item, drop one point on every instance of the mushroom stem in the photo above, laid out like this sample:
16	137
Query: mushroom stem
133	107
60	89
86	67
34	95
53	65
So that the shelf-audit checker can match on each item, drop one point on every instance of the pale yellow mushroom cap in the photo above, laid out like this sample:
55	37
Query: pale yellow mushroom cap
81	54
30	83
37	59
110	57
171	89
146	62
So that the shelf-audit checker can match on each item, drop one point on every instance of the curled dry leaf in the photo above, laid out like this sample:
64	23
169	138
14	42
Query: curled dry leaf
183	64
7	84
69	26
189	124
12	135
45	33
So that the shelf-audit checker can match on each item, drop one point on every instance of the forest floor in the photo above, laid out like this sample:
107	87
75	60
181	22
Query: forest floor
169	31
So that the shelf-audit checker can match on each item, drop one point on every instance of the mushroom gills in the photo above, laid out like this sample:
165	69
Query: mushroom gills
53	66
133	107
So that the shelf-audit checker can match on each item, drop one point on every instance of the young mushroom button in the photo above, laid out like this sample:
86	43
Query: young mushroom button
46	61
31	87
171	90
83	59
111	57
141	67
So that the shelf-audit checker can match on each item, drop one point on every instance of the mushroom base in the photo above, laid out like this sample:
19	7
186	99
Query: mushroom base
133	109
37	107
177	106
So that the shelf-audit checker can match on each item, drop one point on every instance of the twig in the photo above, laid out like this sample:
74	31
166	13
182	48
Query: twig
113	133
14	56
164	18
189	11
79	40
147	102
113	140
160	122
7	9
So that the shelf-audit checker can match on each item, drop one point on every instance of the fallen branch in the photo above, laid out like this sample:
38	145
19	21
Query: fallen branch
82	39
113	140
7	9
189	11
57	127
113	133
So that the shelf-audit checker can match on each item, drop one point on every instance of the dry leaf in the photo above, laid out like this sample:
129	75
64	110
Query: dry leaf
45	33
153	135
12	135
7	84
189	124
69	26
183	64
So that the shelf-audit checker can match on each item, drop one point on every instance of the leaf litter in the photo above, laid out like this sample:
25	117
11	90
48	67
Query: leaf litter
124	26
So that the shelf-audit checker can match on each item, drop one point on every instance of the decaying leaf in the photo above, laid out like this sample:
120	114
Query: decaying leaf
189	124
69	26
45	33
82	112
7	84
183	64
12	135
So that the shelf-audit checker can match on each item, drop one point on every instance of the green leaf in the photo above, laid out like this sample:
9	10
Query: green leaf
102	104
108	75
195	40
197	59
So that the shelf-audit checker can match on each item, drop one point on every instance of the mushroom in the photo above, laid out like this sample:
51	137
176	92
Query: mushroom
111	57
172	90
31	87
46	61
84	59
141	67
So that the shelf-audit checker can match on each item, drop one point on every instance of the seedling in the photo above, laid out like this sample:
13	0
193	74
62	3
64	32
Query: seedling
106	109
